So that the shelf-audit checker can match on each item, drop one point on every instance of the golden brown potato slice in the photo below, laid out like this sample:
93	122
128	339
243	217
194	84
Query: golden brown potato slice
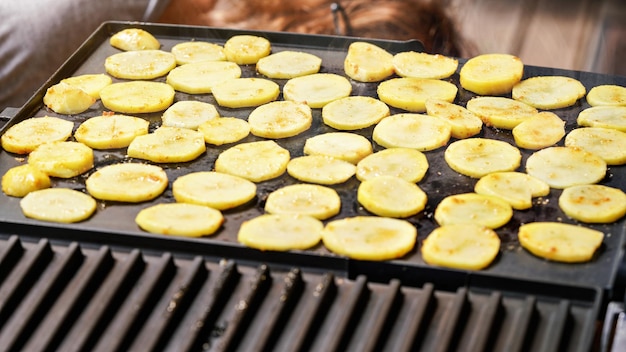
416	131
128	182
318	201
491	74
320	169
141	64
281	232
406	163
288	64
213	189
560	242
473	208
201	77
347	146
604	116
562	167
354	113
224	130
110	131
607	94
280	119
477	157
62	205
593	203
63	159
463	123
543	130
20	180
137	97
607	143
197	51
366	62
131	39
391	196
254	161
317	90
549	92
501	112
411	94
424	65
25	136
246	49
516	188
168	145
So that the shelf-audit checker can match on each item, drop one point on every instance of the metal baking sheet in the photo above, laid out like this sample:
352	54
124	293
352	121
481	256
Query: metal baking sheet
114	222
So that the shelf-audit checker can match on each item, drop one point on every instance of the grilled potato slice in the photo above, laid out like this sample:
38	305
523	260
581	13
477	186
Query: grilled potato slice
281	232
318	201
25	136
501	112
91	84
67	99
424	65
213	189
417	131
20	180
245	92
406	163
137	97
354	113
280	119
366	62
562	167
254	161
201	77
473	208
62	205
288	64
246	49
593	203
549	92
491	74
608	94
168	145
317	90
189	114
197	51
347	146
180	219
370	237
463	123
224	130
128	182
320	169
516	188
477	157
140	64
543	130
63	159
391	196
604	116
608	144
461	246
131	39
560	242
411	94
110	131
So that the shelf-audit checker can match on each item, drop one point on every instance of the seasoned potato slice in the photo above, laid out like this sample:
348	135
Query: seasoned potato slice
347	146
20	180
354	113
421	132
280	119
63	159
288	64
91	84
391	196
370	237
180	219
543	130
549	92
128	182
424	65
604	116
224	130
406	163
608	144
560	242
501	112
320	169
607	94
281	232
197	51
593	203
67	99
516	188
317	90
189	114
411	94
491	74
254	161
366	62
110	131
473	208
213	189
62	205
137	97
477	157
562	167
461	246
131	39
168	145
201	77
246	49
245	92
318	201
25	136
141	64
463	123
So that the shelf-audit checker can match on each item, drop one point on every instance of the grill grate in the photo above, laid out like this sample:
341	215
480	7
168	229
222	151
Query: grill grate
82	297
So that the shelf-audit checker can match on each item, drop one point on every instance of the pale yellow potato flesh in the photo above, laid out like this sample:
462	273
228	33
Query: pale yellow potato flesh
201	77
607	143
168	145
545	129
91	84
366	62
491	74
424	65
67	99
463	123
110	131
593	203
347	146
405	163
131	39
197	51
604	116
20	180
224	130
64	159
245	92
607	95
140	64
516	188
254	161
127	182
562	167
188	114
473	208
280	119
281	232
416	131
246	49
137	97
317	90
180	219
318	201
62	205
214	189
477	157
320	169
549	92
288	64
411	94
501	112
560	242
25	136
391	196
354	113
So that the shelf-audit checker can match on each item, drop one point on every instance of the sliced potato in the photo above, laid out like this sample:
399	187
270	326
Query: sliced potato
168	145
354	113
607	94
197	51
128	182
180	219
463	123
501	112
608	144
491	74
246	49
391	196
201	77
189	114
593	203
288	64
560	242
549	92
20	180
562	167
25	136
347	146
131	39
477	157
245	92
424	65
141	64
91	84
137	97
63	159
213	189
411	94
417	131
604	116
473	208
280	119
516	188
543	130
317	90
254	161
318	201
110	131
406	163
461	246
320	169
67	99
366	62
281	232
62	205
224	130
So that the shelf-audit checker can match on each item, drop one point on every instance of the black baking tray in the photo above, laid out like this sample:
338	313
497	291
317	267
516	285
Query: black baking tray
114	223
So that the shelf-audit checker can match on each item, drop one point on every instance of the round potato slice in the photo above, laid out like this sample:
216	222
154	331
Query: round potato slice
417	131
63	159
347	146
140	64
131	39
180	219
370	237
288	64
608	144
201	77
318	201
197	51
168	145
560	242
91	84
320	169
549	92
245	92
501	112
110	131
604	116
20	180
477	157
213	189
317	90
366	62
224	130
461	246
516	188
424	65
280	119
608	94
189	114
593	203
543	130
25	136
562	167
281	232
130	182
406	163
473	208
67	99
491	74
354	113
411	94
62	205
254	161
137	97
463	123
246	49
391	196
